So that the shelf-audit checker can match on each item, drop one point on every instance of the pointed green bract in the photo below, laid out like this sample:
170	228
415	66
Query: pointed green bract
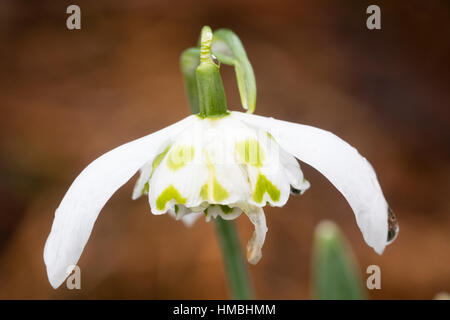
168	194
228	49
263	185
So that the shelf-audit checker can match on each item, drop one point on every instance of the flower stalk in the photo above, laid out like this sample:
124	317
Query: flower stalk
235	265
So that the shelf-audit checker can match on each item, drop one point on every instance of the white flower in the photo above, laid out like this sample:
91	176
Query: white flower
218	167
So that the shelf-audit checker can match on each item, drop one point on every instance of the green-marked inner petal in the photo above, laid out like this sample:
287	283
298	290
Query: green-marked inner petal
251	152
170	193
264	185
179	156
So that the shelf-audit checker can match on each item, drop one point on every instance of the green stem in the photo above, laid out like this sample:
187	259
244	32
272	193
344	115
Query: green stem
235	265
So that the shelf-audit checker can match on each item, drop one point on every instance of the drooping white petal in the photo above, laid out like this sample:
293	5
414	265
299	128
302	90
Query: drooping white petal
346	169
256	242
76	215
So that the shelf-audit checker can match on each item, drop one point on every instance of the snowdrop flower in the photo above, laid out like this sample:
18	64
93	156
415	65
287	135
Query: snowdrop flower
219	164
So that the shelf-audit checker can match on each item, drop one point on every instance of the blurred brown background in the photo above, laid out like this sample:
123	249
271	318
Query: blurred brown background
68	96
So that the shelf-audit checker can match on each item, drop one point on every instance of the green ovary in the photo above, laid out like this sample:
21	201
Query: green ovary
251	152
179	156
170	193
264	185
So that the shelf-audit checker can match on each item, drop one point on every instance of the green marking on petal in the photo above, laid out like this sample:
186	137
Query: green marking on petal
146	188
204	192
176	209
219	192
225	209
264	185
159	158
179	156
251	152
170	193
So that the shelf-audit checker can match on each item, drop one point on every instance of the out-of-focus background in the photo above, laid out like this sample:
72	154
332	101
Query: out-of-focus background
67	97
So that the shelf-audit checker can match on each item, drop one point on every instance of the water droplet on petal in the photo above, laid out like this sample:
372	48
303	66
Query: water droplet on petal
392	226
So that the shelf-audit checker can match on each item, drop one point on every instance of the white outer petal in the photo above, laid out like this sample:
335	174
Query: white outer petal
340	163
76	215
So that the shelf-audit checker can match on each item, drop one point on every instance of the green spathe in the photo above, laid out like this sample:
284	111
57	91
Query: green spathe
211	93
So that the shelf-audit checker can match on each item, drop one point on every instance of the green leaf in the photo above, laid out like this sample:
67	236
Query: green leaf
189	61
228	49
335	271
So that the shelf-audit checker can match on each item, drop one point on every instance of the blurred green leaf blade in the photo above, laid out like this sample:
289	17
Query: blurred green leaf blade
335	271
189	61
